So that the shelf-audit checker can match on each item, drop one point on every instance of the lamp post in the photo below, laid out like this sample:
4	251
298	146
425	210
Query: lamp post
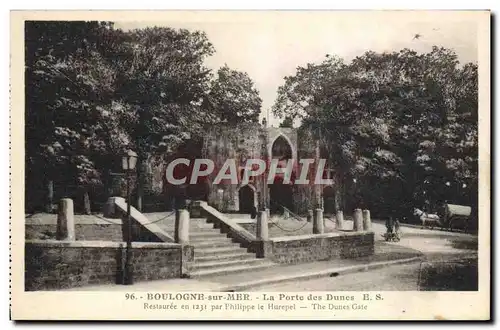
129	160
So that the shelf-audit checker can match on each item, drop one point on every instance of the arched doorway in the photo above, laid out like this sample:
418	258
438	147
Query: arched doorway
329	200
246	196
280	194
281	149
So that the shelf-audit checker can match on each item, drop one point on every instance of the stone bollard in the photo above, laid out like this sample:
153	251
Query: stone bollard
310	215
195	209
65	221
182	226
340	220
318	224
219	199
110	211
286	214
262	226
358	220
367	221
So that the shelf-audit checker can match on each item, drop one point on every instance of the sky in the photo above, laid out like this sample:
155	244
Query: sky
271	45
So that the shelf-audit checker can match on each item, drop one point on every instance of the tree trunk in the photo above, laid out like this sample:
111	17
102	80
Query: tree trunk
86	201
140	182
337	195
49	198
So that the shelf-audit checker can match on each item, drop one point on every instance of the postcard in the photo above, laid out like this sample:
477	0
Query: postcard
250	165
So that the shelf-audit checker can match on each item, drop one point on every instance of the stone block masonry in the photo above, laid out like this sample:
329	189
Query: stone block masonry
83	232
309	248
55	265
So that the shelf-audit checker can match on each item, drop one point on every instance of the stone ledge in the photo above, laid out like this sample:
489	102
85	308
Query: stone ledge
103	244
80	219
325	235
227	225
144	229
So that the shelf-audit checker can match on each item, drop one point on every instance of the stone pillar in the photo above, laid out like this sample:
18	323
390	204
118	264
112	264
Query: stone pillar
220	199
110	210
262	226
358	220
66	221
340	220
195	209
367	221
182	226
310	215
49	197
318	224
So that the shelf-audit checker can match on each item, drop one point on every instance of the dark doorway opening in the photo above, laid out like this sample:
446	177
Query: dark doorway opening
246	199
280	195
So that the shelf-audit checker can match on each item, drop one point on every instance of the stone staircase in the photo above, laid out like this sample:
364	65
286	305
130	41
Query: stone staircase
214	253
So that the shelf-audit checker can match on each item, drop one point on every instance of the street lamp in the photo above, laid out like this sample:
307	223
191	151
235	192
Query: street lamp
129	160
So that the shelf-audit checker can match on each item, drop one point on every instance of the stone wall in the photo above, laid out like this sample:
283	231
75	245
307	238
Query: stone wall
84	232
54	265
309	248
240	143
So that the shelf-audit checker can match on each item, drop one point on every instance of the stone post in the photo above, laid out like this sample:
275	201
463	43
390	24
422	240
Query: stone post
109	210
286	214
220	199
195	209
367	221
318	224
262	226
340	220
358	220
49	197
310	215
65	221
182	226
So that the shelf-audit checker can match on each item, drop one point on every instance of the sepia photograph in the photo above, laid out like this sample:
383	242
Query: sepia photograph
244	157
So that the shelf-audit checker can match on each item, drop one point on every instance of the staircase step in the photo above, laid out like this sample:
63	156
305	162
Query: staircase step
219	250
214	243
235	255
192	228
214	238
226	263
215	233
230	270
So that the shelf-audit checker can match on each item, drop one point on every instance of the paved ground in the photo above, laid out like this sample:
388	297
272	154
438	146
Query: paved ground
415	276
450	263
393	278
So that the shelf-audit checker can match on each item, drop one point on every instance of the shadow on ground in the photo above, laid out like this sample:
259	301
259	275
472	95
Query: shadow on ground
464	244
456	275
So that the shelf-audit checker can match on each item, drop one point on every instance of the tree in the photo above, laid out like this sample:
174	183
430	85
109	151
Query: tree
392	120
93	91
69	113
287	122
164	80
233	97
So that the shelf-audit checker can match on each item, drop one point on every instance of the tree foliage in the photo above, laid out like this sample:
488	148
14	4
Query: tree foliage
233	97
93	91
402	123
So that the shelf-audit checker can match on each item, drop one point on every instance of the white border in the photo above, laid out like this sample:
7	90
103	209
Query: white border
189	4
